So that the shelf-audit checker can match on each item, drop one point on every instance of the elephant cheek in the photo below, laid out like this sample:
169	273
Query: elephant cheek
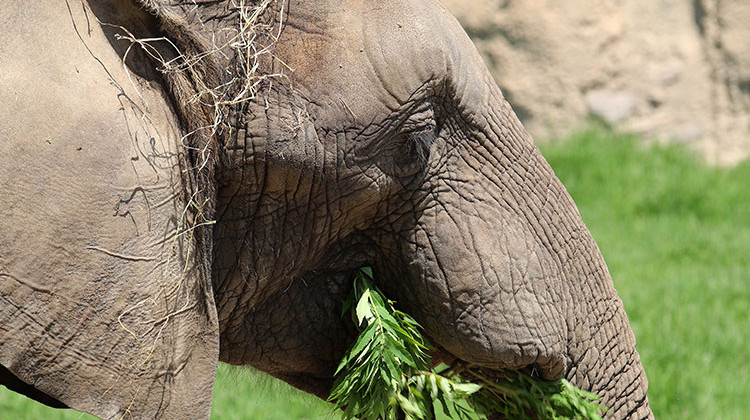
496	291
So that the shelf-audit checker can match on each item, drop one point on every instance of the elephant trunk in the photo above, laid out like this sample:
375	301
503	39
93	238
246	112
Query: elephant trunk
507	275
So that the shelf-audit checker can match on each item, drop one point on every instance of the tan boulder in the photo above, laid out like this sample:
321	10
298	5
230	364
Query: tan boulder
673	70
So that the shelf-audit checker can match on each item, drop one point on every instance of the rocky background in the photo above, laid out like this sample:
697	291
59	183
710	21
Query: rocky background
674	70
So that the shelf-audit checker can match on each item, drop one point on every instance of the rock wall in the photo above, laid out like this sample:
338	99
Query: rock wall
675	70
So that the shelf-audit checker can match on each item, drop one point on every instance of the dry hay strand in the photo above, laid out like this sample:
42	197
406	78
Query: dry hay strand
208	78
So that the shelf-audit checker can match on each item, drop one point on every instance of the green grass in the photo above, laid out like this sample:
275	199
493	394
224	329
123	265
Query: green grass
244	393
676	236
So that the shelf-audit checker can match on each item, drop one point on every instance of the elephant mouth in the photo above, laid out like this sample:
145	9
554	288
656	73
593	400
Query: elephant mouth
315	350
439	355
451	343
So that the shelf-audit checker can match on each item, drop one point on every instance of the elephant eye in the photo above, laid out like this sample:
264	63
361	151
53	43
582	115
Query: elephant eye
405	151
419	131
419	144
406	154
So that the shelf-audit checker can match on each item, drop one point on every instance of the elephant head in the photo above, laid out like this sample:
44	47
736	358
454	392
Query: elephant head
211	199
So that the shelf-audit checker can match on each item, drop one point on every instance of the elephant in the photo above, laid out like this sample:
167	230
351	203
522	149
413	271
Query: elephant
193	181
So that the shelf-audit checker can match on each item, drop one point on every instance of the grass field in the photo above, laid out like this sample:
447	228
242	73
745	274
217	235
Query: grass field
676	236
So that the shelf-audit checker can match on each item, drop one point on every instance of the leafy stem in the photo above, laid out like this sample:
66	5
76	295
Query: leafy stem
385	375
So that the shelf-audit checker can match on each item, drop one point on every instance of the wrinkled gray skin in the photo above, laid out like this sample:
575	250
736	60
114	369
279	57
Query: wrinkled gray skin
389	145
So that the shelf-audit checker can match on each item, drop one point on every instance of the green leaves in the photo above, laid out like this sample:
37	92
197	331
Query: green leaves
374	370
520	395
385	375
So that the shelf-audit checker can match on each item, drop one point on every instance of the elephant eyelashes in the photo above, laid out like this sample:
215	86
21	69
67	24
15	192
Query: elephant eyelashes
407	153
420	132
407	150
419	144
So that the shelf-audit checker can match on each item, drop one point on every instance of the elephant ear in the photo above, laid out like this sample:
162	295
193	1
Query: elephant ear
105	298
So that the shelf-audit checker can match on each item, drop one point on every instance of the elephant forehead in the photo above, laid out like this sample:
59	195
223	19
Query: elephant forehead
364	60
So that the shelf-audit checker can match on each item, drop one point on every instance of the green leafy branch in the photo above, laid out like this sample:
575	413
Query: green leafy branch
386	375
376	367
